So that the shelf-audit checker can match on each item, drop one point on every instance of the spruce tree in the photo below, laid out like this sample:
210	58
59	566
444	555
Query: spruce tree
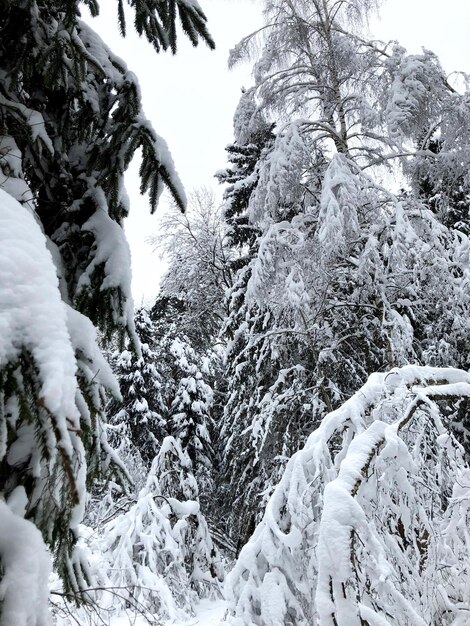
253	136
71	120
139	418
186	392
167	390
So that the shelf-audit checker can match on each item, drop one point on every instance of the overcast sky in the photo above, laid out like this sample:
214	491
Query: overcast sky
191	97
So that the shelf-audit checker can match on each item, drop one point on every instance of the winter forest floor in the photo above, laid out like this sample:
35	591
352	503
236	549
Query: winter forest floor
209	613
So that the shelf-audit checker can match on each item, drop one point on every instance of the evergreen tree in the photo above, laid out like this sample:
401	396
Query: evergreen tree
187	394
71	120
139	418
200	556
253	134
190	407
444	190
167	390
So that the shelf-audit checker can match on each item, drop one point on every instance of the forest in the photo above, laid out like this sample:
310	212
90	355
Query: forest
282	437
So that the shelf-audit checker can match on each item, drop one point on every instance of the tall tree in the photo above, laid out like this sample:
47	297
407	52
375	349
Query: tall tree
71	120
253	136
346	277
315	66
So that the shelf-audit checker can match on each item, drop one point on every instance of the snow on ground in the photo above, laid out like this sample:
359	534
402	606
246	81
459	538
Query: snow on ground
209	613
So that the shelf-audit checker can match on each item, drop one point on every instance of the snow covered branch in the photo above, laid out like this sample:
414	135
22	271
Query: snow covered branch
362	524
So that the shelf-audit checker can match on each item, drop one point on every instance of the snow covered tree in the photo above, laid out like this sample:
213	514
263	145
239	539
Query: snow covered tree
364	280
167	390
159	553
315	66
303	70
365	525
66	84
253	134
444	189
138	419
269	363
199	267
429	120
177	480
186	392
345	277
189	412
70	121
53	380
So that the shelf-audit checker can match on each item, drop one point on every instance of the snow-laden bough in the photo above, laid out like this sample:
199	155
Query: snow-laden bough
368	524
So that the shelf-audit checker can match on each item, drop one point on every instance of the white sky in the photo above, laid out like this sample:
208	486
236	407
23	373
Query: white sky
191	97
